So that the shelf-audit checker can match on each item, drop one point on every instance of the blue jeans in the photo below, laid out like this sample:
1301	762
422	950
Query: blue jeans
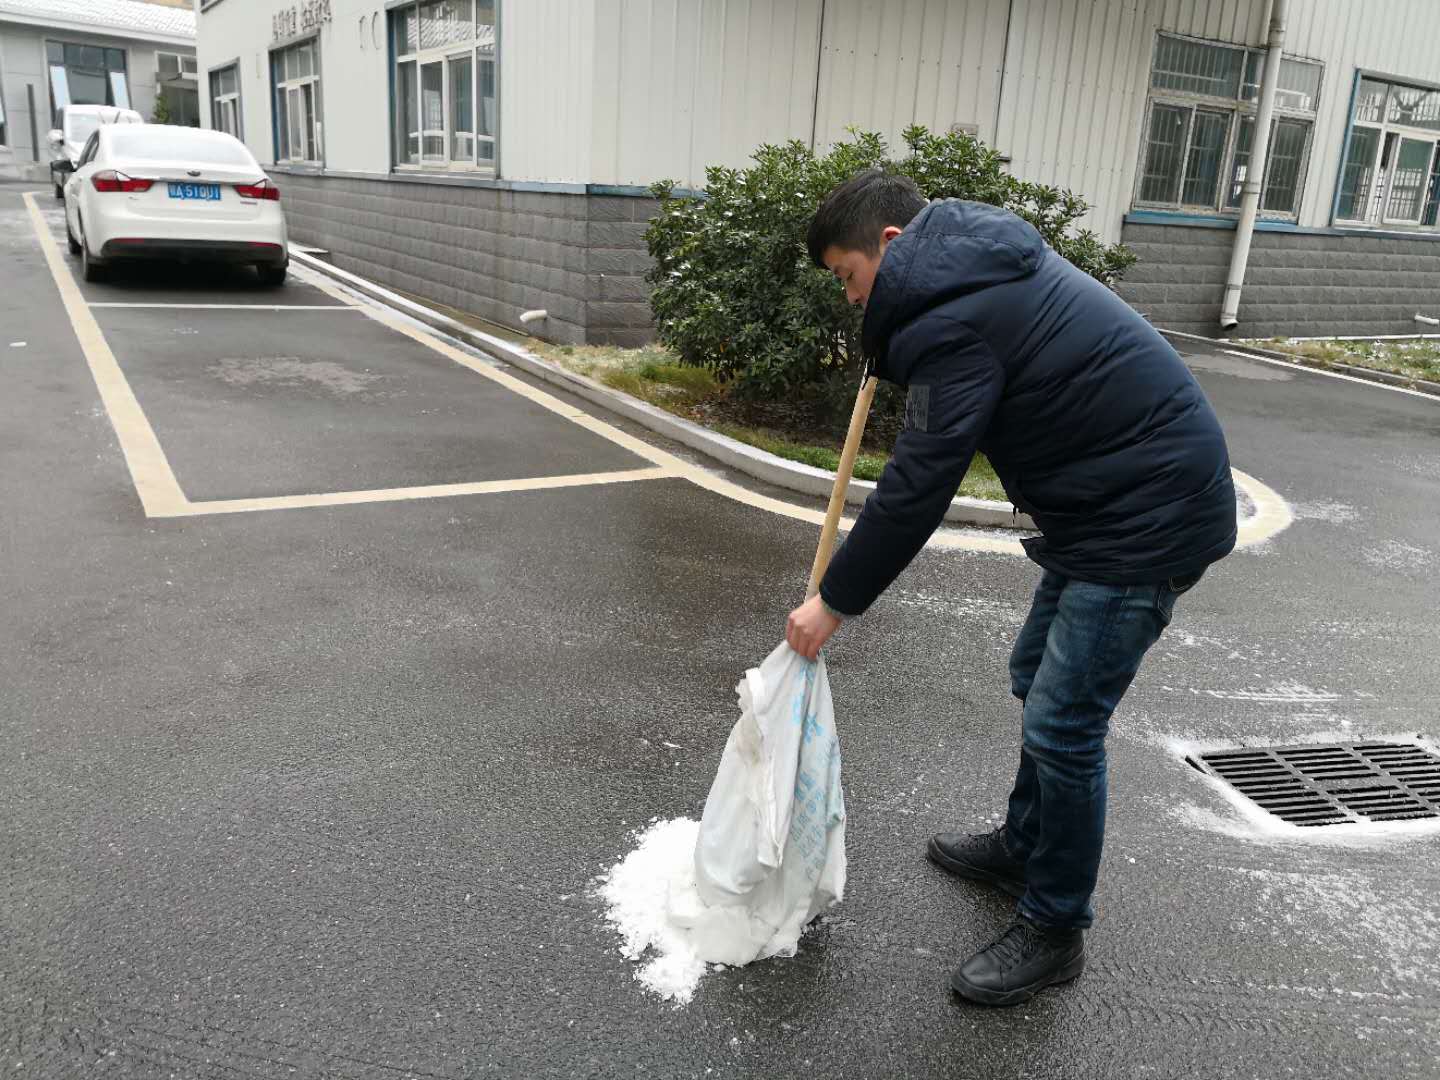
1074	659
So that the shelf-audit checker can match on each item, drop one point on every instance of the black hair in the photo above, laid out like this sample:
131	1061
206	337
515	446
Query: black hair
856	212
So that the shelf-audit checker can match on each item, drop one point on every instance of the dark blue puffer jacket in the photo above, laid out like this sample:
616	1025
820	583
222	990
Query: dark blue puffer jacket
1094	425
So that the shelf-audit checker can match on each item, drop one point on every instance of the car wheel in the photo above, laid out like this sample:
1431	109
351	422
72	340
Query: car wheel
71	241
272	275
90	270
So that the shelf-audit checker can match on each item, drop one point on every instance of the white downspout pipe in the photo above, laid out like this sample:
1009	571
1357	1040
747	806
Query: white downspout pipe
1255	174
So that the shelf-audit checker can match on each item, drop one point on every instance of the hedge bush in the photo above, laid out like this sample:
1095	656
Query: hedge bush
735	291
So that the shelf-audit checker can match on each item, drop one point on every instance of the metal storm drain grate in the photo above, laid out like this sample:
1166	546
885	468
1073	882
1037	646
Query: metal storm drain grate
1332	783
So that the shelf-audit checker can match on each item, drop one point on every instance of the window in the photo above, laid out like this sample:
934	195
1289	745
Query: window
225	101
445	79
1391	169
1201	124
85	75
171	66
295	75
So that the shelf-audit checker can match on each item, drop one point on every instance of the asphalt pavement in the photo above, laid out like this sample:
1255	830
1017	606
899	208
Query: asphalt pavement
322	791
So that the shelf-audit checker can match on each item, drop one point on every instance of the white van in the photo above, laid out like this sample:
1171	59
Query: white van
77	124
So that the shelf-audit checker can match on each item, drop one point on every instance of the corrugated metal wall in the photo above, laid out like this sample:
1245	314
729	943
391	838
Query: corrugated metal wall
548	59
1073	98
887	65
683	84
1241	22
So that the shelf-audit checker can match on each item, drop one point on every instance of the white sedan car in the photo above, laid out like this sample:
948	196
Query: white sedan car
153	191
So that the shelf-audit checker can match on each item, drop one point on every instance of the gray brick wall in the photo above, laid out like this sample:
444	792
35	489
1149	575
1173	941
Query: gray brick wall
490	252
1296	285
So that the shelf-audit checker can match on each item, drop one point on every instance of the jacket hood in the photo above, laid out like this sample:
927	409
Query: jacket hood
951	248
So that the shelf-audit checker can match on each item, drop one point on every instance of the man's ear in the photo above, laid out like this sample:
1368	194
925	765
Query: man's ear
887	234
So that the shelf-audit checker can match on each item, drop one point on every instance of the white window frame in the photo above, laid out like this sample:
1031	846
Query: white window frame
230	99
444	55
1375	210
293	91
186	65
1238	109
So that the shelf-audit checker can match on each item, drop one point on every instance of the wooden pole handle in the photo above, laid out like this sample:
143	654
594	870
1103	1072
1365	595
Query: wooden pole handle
842	481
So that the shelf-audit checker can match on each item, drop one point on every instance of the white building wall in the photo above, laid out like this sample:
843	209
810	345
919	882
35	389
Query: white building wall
1240	22
885	66
684	84
1074	97
546	63
354	77
547	73
627	92
354	87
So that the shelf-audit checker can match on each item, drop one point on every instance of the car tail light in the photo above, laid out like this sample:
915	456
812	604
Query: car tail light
110	180
263	190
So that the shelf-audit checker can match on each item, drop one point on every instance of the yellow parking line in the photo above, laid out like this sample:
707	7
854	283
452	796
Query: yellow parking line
1272	512
237	307
154	480
429	491
161	496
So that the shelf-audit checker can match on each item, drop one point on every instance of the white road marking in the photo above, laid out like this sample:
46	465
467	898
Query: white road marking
1328	374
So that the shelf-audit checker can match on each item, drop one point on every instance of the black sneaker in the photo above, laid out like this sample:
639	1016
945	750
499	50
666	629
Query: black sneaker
979	857
1025	960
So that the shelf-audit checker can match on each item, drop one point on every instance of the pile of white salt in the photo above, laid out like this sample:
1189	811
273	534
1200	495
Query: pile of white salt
640	890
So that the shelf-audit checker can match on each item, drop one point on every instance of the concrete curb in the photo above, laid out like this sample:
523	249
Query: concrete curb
1420	386
791	475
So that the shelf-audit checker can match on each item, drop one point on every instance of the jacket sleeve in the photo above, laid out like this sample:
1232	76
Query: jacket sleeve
954	386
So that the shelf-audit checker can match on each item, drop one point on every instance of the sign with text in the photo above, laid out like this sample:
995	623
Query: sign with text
299	18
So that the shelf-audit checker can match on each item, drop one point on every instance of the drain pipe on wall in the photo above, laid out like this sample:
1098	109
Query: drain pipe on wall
1255	175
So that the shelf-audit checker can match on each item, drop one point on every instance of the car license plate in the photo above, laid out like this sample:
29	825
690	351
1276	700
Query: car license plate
195	191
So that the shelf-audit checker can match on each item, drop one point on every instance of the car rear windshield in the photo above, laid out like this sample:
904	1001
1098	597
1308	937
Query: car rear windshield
82	127
151	143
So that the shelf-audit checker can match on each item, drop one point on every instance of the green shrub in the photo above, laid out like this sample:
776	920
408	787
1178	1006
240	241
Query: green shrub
735	291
